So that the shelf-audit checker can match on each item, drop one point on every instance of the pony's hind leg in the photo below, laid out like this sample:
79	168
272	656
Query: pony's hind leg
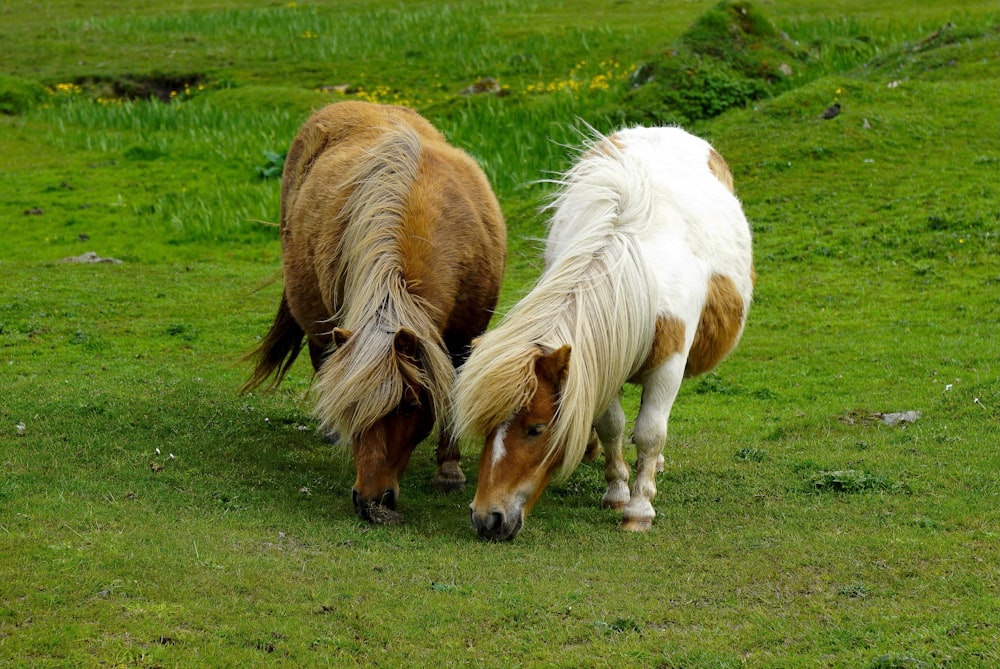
611	430
449	476
593	447
658	394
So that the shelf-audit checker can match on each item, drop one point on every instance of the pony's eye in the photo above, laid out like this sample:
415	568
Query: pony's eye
407	407
535	430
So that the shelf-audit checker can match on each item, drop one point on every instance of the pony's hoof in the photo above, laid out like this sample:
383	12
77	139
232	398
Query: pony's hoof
448	479
637	524
613	504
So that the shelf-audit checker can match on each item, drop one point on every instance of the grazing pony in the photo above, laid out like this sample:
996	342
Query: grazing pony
393	249
648	278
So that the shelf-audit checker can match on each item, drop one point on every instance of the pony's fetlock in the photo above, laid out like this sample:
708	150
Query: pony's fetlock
617	496
448	478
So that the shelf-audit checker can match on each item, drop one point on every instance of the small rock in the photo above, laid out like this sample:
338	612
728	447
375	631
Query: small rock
484	85
900	417
343	89
91	257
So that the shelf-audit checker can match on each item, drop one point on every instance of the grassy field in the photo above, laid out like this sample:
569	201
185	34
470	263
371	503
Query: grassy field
151	516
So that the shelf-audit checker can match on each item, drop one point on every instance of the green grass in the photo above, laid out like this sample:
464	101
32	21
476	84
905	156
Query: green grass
151	516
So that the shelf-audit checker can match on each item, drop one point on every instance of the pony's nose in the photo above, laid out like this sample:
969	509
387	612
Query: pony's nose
388	499
489	526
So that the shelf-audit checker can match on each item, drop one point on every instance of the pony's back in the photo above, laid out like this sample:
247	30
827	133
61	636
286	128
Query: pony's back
694	208
654	181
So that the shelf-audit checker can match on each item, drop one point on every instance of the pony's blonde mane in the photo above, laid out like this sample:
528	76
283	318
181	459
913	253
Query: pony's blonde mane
596	294
363	380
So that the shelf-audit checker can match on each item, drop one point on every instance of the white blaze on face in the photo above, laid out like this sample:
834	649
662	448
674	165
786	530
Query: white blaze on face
499	451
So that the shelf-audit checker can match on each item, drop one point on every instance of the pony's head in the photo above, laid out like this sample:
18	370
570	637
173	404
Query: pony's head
383	400
520	455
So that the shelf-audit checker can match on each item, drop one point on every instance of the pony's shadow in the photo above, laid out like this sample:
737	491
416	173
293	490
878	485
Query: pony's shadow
270	454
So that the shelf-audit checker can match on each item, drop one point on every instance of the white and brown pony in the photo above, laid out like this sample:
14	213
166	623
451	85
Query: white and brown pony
648	278
393	249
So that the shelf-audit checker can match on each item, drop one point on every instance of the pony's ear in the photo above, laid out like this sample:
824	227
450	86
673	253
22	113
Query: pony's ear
405	343
340	336
553	366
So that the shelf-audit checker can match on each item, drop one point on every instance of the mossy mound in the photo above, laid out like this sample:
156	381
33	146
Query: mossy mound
729	57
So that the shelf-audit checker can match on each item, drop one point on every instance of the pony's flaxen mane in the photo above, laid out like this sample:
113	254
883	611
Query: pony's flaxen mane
595	294
363	380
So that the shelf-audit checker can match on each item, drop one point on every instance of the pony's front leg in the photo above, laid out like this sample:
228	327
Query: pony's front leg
449	476
658	394
611	430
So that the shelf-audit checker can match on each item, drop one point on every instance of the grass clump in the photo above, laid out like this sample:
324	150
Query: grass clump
848	480
897	661
18	95
750	454
274	163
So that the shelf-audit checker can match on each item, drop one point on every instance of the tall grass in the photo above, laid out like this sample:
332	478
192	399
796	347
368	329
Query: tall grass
517	141
203	127
844	42
519	144
360	47
229	201
391	55
518	138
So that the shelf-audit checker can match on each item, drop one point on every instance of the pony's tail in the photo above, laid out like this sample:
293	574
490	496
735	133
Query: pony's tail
277	351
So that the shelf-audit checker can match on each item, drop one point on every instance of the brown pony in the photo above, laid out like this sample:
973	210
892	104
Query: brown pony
393	250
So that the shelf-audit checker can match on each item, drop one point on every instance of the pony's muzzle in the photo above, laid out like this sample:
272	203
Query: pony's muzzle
496	525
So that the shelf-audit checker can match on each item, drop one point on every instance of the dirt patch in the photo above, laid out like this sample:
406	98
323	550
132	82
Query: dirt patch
163	87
